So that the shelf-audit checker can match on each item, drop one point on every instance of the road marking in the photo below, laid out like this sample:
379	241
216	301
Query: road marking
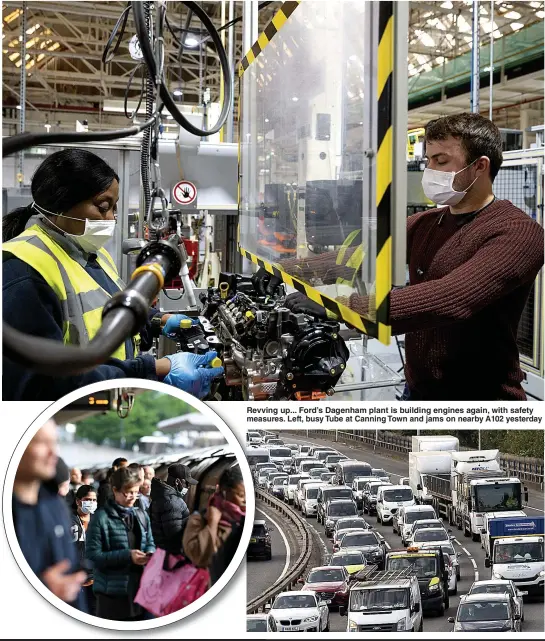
465	550
475	569
288	551
529	507
387	544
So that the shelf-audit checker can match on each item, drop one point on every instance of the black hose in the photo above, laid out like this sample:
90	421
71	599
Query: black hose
146	138
128	115
106	55
147	52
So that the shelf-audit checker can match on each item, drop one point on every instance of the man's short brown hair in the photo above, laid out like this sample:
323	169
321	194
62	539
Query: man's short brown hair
477	135
124	477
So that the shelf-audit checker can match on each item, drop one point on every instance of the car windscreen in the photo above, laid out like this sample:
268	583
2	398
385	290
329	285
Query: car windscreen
317	472
448	549
326	477
256	625
274	475
338	494
424	526
280	480
483	611
373	490
383	599
253	459
321	456
294	601
491	588
423	566
258	530
293	480
357	539
519	552
312	493
345	524
352	558
429	535
401	494
379	472
308	465
341	509
411	517
283	452
326	575
332	458
351	471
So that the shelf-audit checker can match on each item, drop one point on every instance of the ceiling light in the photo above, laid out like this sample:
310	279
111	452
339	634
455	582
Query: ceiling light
540	14
178	92
295	98
447	5
266	120
169	117
513	15
191	42
516	26
18	107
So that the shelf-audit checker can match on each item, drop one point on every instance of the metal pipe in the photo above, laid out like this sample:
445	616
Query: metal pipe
229	128
475	59
491	57
22	92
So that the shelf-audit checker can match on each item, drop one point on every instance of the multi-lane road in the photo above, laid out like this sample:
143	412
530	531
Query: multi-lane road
471	555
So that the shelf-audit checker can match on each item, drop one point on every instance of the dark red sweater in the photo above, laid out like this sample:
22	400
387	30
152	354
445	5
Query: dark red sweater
469	281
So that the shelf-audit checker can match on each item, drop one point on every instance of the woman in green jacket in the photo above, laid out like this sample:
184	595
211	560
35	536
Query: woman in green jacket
119	544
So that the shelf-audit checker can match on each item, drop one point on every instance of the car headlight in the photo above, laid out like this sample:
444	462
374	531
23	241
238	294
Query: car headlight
352	626
402	624
311	619
434	585
496	575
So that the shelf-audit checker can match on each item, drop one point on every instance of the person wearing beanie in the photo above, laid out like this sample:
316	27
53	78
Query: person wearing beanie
168	510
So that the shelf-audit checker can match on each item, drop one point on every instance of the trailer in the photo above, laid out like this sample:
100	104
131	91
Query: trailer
443	443
424	466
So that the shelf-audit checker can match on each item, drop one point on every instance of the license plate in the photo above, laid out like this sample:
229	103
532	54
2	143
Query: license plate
292	628
253	540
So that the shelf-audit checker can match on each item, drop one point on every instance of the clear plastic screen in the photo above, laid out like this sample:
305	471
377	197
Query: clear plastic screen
305	177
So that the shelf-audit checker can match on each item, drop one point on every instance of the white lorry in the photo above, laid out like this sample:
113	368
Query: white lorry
476	485
435	443
423	464
514	546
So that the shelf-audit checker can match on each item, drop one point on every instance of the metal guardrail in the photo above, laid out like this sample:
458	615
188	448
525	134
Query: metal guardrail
300	566
527	469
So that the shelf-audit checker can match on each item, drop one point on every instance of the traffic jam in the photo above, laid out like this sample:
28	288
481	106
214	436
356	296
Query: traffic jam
396	545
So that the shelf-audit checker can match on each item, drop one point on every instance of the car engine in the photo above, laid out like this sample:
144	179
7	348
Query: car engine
269	352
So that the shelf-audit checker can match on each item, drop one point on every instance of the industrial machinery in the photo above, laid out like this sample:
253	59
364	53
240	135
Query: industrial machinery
268	351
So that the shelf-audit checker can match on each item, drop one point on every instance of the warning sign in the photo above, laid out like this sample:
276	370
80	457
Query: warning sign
184	192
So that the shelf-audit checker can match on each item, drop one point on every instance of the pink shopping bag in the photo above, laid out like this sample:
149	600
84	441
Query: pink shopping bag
170	582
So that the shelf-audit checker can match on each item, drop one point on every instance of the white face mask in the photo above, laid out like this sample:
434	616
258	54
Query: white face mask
95	235
88	507
438	186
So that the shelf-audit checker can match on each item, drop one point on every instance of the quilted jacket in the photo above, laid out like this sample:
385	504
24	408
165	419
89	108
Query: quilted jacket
169	515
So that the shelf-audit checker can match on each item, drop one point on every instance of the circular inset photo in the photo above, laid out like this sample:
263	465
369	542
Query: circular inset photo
128	506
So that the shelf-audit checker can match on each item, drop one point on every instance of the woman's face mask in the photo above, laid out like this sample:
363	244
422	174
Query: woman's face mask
88	507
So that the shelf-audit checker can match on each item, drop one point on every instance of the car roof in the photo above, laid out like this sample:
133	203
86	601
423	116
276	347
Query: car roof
491	582
437	529
338	500
427	521
418	508
475	598
328	567
296	592
260	522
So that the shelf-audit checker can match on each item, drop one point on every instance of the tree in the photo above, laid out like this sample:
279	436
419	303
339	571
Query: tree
149	408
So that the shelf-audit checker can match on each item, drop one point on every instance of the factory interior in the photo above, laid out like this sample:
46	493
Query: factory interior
280	139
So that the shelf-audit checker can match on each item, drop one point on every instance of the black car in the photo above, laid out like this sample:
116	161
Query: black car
336	509
260	541
487	613
329	492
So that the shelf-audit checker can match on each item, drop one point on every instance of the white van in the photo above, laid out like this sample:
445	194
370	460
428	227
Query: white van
390	499
384	602
309	500
298	497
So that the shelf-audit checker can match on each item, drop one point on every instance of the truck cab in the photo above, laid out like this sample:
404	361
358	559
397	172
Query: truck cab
384	602
431	572
520	560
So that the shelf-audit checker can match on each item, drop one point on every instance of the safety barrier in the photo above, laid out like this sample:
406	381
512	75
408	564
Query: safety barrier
527	469
300	566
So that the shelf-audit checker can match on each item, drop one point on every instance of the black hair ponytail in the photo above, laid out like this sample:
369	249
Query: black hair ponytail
64	179
15	222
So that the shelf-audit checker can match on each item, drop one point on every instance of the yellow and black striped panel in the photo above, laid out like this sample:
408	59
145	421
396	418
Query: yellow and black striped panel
384	163
268	34
341	311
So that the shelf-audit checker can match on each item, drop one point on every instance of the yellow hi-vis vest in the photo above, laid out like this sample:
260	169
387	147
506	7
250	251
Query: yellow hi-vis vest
81	297
355	260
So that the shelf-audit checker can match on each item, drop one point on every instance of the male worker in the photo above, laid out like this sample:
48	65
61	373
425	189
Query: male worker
472	262
75	479
42	522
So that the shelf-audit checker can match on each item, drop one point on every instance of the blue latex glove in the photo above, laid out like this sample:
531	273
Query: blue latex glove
191	373
173	324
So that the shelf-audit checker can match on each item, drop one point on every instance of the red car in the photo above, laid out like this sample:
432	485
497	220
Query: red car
330	583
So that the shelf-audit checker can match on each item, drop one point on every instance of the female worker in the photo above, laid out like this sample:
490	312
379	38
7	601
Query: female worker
57	277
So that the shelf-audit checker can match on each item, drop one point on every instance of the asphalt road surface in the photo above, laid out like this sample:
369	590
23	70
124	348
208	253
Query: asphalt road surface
471	557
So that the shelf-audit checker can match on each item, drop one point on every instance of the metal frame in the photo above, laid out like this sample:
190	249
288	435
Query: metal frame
380	36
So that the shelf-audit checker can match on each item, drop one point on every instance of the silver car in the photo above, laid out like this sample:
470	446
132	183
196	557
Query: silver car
501	586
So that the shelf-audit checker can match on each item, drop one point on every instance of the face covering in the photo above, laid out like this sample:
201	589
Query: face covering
438	186
88	507
95	235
